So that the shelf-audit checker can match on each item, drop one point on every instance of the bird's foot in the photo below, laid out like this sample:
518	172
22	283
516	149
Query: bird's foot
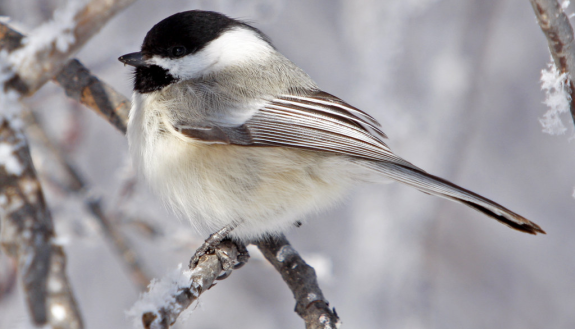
210	246
231	263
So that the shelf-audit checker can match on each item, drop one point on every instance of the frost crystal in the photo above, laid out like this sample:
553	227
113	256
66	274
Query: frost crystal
557	98
58	32
9	105
161	294
10	161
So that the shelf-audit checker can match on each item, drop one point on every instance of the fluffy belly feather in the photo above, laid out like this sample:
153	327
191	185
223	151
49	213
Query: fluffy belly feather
265	189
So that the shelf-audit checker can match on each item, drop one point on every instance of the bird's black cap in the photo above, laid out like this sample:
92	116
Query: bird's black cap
192	30
177	36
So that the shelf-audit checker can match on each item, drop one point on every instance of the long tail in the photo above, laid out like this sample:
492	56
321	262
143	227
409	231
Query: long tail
430	184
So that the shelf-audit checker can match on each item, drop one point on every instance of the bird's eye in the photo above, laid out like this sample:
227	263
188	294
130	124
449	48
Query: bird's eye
178	51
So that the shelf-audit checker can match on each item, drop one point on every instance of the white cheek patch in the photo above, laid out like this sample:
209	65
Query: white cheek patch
185	67
233	47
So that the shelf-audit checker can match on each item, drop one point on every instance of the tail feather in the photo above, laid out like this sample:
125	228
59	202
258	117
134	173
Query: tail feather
434	185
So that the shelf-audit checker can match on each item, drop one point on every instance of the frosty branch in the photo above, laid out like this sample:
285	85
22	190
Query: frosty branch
160	307
50	46
27	229
559	32
27	233
77	184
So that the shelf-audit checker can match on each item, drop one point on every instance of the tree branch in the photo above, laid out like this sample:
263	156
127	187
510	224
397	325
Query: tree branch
27	233
27	230
182	295
26	224
64	312
81	85
310	305
559	32
43	57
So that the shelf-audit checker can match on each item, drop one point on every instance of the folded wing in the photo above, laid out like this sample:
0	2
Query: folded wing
322	122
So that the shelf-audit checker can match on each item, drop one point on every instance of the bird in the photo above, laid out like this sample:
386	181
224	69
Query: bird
238	139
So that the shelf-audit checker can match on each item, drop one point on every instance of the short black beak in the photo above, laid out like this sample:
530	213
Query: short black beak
133	59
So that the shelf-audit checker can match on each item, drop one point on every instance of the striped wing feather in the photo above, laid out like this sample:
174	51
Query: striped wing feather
322	122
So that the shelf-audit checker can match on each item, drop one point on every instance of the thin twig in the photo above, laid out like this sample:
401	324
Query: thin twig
64	311
121	244
311	305
559	32
201	278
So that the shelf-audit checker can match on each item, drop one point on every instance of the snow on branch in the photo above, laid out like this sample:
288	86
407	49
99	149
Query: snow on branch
80	85
27	232
47	48
169	297
557	98
556	27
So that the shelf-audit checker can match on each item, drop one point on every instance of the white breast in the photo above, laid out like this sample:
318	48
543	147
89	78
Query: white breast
266	188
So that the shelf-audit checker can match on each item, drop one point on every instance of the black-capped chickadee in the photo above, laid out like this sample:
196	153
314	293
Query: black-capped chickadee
237	138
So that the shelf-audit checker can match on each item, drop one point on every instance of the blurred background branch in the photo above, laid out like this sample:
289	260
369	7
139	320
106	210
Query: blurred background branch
76	184
27	229
51	45
80	85
28	235
559	33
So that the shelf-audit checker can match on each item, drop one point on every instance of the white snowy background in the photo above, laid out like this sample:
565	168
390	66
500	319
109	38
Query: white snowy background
455	85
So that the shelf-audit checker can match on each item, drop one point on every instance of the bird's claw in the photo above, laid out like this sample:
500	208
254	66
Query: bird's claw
228	263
